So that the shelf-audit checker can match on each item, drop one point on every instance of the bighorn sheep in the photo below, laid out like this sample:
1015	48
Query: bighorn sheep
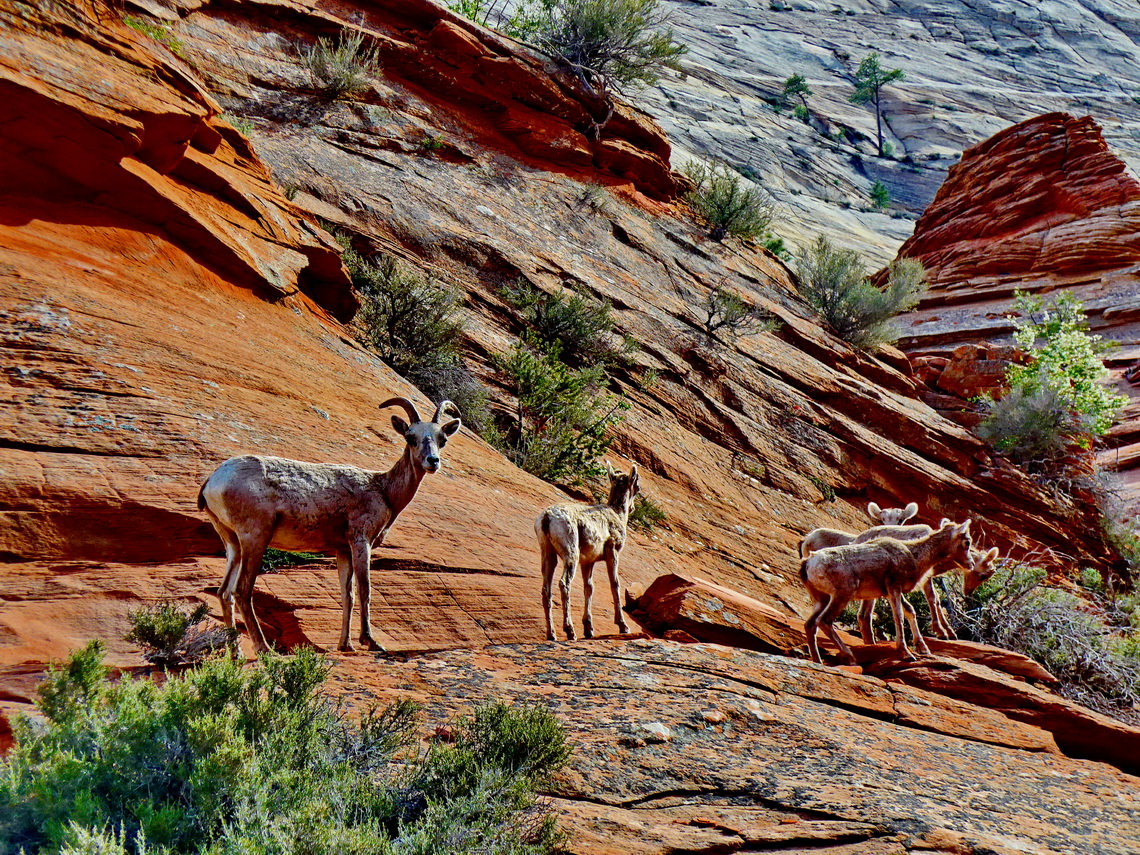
581	535
256	502
891	516
883	567
980	569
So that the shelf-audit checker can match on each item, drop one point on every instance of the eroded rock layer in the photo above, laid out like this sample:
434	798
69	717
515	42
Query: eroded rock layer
1040	207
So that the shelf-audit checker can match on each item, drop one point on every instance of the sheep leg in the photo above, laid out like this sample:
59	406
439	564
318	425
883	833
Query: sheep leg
549	565
615	587
233	568
812	623
827	618
344	573
937	615
588	588
912	619
252	551
362	569
896	599
867	621
570	562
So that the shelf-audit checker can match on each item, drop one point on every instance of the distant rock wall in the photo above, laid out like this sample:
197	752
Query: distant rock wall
1040	207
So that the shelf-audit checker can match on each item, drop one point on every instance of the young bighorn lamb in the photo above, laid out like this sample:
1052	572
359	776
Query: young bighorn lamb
821	538
891	516
581	535
256	502
883	567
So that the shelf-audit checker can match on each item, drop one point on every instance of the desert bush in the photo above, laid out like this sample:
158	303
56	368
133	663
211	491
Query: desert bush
275	559
581	326
727	313
646	514
880	196
1057	402
562	418
620	43
413	323
722	199
227	759
835	283
343	67
159	32
1016	610
173	637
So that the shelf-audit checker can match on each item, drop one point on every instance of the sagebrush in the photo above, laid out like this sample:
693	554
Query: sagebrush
233	760
343	67
725	313
834	281
173	636
581	326
726	203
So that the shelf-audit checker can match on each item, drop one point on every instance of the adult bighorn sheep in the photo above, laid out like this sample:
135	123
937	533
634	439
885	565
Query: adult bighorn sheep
256	502
582	535
883	567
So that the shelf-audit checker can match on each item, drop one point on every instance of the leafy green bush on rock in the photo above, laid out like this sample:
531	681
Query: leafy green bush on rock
235	760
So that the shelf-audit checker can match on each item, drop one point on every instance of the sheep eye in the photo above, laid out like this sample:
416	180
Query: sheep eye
411	438
442	440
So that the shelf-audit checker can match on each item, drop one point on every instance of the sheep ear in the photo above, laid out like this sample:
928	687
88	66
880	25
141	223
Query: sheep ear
874	511
964	528
634	478
909	511
451	427
991	555
400	425
945	521
609	469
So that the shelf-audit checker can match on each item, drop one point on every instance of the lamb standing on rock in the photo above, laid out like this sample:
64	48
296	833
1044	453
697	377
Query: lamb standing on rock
891	516
583	535
883	567
821	538
256	502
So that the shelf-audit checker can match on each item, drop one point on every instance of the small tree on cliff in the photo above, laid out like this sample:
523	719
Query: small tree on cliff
796	86
870	79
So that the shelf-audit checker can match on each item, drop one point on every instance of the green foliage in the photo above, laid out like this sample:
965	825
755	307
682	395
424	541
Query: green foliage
622	43
1016	610
172	636
413	323
800	112
880	196
562	418
342	68
726	203
1057	402
834	282
646	514
580	326
159	32
431	143
796	86
727	313
227	759
870	79
243	125
275	559
777	247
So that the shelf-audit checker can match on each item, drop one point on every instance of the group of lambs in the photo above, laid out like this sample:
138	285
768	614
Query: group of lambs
256	502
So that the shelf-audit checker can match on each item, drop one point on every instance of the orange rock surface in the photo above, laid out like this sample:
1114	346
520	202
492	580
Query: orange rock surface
1041	206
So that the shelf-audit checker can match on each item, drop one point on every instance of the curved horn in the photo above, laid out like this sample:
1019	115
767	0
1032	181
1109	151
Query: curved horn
408	406
443	407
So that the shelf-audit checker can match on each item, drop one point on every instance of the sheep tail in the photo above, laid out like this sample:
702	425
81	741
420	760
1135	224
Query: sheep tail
202	496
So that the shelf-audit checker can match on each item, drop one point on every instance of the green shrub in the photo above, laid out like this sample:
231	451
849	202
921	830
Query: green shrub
725	203
623	43
275	559
562	418
800	112
646	514
159	32
413	323
227	759
1015	610
238	123
880	196
796	86
342	68
173	637
1032	426
727	313
835	283
580	326
777	247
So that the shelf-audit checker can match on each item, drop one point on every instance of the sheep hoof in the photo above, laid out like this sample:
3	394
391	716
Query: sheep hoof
571	635
372	644
588	632
623	628
347	647
550	636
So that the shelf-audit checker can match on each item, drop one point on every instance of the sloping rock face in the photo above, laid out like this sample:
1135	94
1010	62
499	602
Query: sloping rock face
702	749
1041	206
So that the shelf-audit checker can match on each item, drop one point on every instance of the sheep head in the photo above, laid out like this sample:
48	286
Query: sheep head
425	439
982	567
891	516
623	488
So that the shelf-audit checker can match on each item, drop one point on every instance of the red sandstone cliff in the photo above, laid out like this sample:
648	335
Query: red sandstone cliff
1041	206
163	306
